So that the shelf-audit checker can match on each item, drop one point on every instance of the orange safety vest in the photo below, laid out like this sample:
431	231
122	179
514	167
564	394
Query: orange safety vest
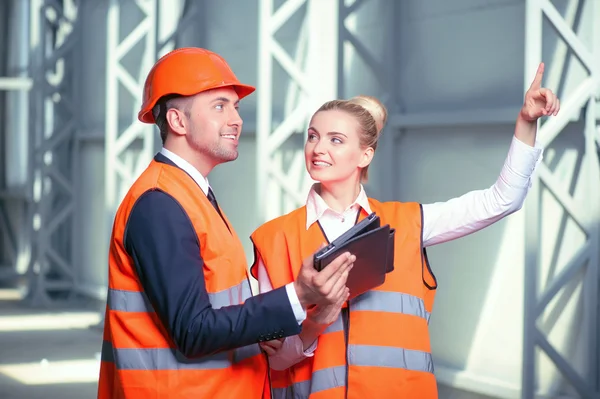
387	351
139	358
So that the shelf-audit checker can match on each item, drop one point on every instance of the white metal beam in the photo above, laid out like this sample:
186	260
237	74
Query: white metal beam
312	71
129	148
15	83
584	212
14	158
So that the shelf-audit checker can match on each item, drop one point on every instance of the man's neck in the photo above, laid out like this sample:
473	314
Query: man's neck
190	156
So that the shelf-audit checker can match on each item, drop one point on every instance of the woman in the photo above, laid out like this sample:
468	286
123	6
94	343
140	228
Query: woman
377	344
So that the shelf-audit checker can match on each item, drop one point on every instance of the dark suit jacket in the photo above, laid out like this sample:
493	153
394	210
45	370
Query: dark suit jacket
164	247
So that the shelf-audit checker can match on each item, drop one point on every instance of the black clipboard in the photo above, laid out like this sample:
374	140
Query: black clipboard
373	246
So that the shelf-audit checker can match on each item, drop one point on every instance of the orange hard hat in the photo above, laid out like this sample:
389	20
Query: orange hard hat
187	71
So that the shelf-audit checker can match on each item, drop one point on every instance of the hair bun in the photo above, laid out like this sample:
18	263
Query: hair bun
375	108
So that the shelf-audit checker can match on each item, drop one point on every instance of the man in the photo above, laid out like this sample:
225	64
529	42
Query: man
180	319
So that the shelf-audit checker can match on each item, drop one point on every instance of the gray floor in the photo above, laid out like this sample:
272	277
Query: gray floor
54	353
48	354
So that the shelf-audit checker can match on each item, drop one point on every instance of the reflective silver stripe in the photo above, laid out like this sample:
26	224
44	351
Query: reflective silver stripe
167	359
322	380
390	301
171	359
128	301
358	355
386	356
337	325
245	352
107	352
136	301
299	390
231	296
329	378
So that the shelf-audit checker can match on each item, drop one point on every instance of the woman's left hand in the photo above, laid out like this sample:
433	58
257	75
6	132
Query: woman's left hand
273	346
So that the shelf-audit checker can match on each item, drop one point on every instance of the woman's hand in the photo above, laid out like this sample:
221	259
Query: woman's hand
539	101
273	346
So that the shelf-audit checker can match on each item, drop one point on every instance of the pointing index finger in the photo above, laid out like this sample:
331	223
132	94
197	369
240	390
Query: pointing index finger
537	81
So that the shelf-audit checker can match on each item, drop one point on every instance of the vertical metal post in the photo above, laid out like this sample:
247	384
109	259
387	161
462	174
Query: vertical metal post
55	126
584	213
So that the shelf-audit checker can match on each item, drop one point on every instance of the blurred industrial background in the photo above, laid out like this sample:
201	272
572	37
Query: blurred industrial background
517	312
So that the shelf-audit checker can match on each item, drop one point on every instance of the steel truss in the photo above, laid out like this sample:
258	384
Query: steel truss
130	144
13	194
316	73
544	303
54	108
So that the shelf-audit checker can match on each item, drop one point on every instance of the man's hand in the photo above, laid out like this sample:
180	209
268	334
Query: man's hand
273	346
327	286
326	314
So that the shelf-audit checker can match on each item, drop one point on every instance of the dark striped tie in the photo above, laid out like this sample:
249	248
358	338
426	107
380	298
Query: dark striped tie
213	200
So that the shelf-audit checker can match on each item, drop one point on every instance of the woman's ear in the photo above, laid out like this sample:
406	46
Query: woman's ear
367	157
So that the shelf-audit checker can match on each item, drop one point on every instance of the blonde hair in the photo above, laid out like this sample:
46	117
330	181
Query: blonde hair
371	116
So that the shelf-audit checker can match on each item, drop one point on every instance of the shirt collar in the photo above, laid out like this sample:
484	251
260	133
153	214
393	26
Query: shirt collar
316	206
187	167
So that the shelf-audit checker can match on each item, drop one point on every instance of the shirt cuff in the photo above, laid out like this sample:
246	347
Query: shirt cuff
299	313
311	349
523	159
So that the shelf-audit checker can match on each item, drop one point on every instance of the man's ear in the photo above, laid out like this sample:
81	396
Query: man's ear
177	121
367	157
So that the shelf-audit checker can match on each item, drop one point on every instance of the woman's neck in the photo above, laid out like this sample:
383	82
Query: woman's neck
339	196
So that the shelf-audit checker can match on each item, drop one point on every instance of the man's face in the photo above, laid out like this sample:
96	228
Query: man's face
215	125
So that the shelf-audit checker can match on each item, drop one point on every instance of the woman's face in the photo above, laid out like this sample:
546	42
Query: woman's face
333	152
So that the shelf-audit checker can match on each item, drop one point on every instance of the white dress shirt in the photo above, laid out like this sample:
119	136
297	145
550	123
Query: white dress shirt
442	222
202	181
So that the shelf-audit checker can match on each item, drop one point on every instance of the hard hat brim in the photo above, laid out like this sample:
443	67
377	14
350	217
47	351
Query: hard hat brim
242	90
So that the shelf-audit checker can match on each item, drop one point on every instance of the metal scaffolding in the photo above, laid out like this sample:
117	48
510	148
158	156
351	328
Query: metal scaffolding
129	145
14	88
55	152
317	72
582	266
280	160
52	187
132	48
280	164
